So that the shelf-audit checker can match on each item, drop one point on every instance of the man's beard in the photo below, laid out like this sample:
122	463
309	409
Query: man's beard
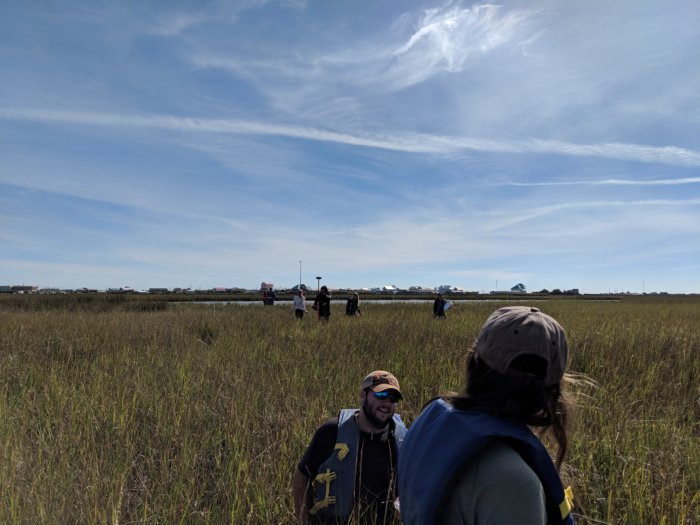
374	420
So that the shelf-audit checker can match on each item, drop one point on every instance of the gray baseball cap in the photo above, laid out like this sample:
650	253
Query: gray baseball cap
519	330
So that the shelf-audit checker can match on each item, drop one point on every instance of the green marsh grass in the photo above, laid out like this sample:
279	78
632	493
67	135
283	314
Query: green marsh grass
114	412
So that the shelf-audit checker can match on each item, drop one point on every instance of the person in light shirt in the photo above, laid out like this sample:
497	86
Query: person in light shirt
299	304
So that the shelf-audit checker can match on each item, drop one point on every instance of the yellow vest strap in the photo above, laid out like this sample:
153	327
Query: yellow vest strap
322	504
567	505
325	478
343	450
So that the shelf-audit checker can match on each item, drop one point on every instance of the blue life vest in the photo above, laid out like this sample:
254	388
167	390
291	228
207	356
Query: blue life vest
334	485
440	443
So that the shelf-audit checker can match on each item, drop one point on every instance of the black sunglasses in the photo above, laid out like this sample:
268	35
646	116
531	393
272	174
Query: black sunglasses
391	396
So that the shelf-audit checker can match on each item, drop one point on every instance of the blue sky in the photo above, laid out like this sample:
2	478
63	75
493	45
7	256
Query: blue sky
209	143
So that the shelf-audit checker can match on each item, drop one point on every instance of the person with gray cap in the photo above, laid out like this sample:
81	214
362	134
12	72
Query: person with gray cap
348	472
471	458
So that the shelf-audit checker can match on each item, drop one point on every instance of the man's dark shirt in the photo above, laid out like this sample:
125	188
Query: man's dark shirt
323	303
439	308
376	468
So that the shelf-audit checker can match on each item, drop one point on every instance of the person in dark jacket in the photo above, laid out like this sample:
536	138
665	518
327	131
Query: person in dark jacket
352	307
269	297
439	307
322	304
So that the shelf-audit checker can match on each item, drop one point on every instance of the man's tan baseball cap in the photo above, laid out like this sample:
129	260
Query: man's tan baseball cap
381	380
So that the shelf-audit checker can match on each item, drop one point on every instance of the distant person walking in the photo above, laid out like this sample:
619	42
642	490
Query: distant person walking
322	304
471	458
299	304
269	297
352	307
439	307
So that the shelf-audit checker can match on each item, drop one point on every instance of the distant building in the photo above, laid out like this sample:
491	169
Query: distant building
421	289
23	289
518	288
448	288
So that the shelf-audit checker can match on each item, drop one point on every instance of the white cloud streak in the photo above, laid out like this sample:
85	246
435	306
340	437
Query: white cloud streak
527	215
411	143
607	182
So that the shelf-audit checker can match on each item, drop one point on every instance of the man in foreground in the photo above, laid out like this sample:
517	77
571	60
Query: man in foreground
348	472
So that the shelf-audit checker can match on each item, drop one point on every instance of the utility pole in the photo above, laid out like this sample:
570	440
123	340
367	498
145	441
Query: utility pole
300	275
318	284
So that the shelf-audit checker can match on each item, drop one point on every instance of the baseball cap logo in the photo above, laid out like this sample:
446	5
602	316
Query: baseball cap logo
380	380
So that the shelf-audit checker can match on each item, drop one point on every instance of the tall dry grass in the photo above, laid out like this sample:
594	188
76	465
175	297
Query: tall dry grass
198	414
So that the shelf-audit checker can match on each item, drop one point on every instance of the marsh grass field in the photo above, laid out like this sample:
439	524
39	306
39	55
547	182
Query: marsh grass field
122	412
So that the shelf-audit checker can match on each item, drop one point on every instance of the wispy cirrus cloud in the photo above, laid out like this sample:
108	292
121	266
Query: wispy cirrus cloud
446	39
606	182
527	215
175	24
428	42
407	142
172	24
